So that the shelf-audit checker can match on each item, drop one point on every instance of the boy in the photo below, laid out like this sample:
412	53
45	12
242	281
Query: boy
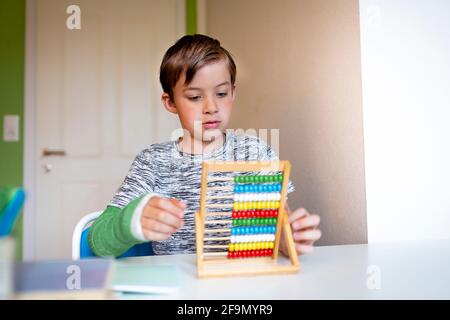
161	192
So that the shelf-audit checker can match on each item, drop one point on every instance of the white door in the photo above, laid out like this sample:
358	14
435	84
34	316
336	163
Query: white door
97	105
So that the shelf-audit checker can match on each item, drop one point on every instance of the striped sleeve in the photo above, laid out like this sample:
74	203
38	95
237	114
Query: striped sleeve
139	180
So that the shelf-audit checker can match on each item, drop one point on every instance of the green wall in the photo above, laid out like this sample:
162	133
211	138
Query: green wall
12	68
191	16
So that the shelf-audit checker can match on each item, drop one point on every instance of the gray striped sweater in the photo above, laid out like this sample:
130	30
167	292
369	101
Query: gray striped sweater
165	170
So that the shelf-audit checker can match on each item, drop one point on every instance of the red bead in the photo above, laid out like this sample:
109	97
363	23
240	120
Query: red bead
275	213
270	252
265	252
258	253
233	215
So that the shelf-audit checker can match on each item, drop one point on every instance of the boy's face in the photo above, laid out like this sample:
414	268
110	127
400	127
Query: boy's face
204	106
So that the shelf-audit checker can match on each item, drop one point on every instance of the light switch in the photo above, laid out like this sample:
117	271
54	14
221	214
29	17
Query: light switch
11	128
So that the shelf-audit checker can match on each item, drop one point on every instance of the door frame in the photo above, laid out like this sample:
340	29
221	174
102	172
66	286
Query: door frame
30	155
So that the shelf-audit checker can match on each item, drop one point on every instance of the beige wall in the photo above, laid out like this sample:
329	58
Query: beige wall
299	70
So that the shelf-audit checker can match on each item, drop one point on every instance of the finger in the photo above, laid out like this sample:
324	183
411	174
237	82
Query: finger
155	236
310	235
155	225
311	221
298	214
174	206
303	249
163	216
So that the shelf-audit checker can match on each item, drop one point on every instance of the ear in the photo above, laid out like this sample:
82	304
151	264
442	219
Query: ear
168	103
233	92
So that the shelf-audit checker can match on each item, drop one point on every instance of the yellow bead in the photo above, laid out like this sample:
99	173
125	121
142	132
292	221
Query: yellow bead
271	245
258	246
266	245
240	247
253	246
277	204
231	247
245	246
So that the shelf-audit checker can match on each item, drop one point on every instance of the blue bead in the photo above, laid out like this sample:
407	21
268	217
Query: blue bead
279	187
245	187
273	229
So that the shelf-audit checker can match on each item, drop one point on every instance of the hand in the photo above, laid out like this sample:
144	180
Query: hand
162	217
304	231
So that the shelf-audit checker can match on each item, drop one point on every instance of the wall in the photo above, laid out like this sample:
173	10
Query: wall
299	70
406	81
12	51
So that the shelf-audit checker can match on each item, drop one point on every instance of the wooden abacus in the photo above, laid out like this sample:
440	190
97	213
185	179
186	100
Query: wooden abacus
253	214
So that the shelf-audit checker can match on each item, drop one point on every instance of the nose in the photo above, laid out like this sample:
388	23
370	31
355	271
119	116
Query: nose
210	106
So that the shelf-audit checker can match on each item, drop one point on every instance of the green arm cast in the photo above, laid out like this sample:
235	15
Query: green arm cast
110	235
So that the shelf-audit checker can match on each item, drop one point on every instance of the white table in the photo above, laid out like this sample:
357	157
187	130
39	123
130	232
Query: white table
404	270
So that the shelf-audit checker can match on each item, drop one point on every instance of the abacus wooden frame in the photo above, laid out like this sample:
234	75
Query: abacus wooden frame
219	266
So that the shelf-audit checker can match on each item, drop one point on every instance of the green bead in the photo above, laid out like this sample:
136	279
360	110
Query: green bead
274	220
280	178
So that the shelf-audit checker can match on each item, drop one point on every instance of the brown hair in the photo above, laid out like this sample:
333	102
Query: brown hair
189	54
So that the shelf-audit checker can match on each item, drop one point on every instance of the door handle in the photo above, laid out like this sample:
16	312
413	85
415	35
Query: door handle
48	153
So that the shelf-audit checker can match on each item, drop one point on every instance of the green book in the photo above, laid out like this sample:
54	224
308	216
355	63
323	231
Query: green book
144	278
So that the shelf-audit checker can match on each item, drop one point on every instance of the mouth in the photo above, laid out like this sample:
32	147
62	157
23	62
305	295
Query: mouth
213	124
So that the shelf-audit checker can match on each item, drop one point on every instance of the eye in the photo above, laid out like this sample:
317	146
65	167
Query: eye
194	98
222	94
